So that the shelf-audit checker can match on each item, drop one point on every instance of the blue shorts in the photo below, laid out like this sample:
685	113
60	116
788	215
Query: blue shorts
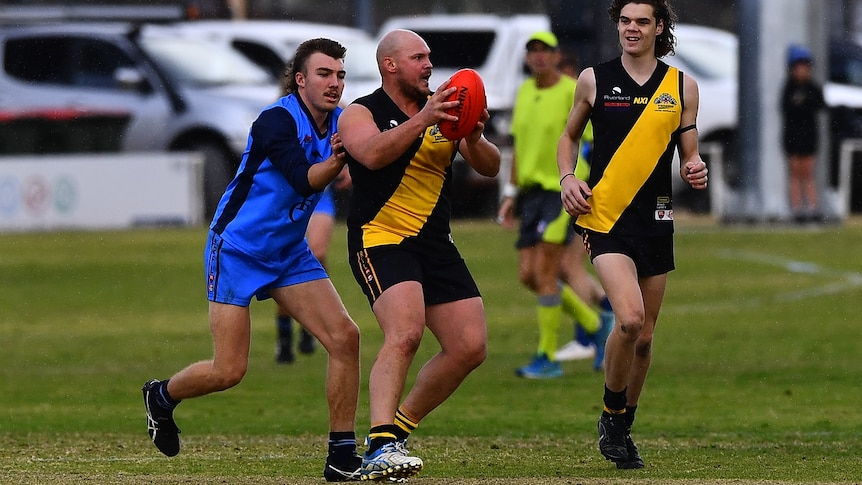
234	277
326	204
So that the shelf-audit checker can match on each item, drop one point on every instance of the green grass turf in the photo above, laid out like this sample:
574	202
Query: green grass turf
755	376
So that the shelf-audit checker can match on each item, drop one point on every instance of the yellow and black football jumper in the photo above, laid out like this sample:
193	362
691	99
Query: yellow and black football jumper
636	130
398	224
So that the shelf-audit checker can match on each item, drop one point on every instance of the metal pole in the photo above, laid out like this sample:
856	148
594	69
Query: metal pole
365	15
749	130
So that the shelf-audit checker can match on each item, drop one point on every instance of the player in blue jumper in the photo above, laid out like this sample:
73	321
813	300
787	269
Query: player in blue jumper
257	248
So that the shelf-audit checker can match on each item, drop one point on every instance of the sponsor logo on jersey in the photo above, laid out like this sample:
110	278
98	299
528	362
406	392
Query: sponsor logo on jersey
665	102
663	209
616	101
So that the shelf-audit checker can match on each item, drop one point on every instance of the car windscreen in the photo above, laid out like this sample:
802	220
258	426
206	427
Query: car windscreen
457	49
203	64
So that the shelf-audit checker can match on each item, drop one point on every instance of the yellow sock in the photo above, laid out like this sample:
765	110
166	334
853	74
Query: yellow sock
549	326
579	310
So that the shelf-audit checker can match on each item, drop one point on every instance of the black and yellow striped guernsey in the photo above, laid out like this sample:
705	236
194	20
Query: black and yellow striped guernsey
636	131
409	197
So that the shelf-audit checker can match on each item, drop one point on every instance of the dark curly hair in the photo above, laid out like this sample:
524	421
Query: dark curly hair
663	12
325	46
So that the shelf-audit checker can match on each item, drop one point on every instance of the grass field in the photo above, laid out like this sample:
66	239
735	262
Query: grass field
755	377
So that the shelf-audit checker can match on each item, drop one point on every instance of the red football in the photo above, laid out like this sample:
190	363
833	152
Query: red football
471	94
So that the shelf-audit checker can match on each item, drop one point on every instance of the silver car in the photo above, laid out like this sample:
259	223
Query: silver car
180	94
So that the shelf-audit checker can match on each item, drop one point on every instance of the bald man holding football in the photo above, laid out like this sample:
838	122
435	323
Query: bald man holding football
400	247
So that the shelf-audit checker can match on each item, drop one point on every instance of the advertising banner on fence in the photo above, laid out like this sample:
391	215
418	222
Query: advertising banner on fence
100	191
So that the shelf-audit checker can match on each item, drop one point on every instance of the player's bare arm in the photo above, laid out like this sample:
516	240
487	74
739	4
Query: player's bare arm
478	152
376	149
574	192
321	174
692	168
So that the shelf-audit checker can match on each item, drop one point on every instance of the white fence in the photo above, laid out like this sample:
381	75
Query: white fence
100	191
727	202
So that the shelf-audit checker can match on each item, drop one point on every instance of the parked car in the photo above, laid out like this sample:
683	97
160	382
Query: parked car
271	44
181	94
61	130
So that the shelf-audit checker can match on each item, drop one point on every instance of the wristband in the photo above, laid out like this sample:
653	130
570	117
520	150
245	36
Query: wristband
564	177
510	191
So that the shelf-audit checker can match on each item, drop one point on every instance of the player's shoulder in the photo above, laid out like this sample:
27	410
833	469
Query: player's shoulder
283	106
673	70
353	113
278	113
689	85
586	82
587	75
371	99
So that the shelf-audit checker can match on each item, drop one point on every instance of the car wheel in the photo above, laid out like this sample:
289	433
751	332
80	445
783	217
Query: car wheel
219	170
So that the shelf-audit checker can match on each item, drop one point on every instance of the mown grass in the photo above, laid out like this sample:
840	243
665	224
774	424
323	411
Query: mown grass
755	377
